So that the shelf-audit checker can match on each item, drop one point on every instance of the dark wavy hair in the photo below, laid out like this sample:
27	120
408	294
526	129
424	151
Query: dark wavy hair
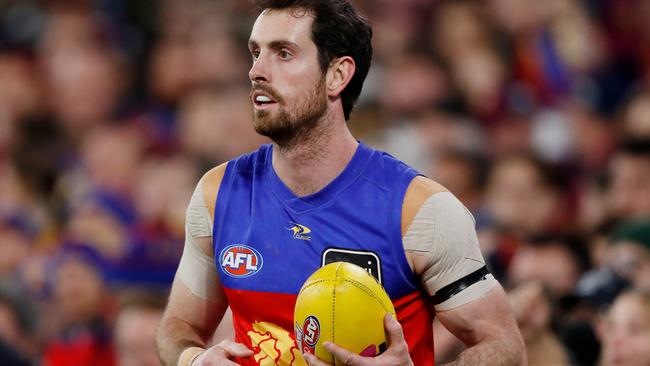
338	30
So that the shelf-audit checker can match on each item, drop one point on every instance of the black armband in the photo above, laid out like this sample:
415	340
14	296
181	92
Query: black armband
457	286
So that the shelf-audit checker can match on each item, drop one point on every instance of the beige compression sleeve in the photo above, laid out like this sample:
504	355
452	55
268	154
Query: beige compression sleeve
197	269
443	231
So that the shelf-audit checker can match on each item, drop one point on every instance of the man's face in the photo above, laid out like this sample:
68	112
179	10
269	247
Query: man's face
288	87
516	186
135	333
626	333
550	265
629	194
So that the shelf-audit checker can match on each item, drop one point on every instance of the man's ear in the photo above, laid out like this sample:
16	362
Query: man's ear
339	75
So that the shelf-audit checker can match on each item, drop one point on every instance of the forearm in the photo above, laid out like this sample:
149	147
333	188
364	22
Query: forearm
492	353
174	336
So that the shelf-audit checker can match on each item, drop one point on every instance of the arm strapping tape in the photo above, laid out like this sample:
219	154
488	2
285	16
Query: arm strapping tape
196	268
443	231
459	285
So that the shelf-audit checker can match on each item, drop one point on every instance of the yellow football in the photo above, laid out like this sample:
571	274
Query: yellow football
343	304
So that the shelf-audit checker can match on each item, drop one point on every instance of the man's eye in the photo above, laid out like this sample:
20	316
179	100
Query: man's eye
284	55
255	55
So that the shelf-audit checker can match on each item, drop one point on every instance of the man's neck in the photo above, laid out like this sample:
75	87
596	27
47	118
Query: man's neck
308	165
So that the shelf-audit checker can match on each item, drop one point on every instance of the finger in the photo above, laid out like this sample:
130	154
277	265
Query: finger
214	361
345	356
212	358
232	349
394	333
313	360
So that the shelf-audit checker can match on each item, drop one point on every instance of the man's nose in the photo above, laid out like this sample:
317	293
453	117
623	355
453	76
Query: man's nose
259	71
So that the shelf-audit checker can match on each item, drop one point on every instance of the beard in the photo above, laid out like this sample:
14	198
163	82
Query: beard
288	126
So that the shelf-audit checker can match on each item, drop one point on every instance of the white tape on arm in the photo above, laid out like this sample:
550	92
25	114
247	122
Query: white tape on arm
443	231
197	269
189	355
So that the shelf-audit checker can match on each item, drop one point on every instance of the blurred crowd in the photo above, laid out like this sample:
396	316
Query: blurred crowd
536	114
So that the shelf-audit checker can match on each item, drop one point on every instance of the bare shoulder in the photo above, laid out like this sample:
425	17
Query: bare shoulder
423	186
210	183
418	191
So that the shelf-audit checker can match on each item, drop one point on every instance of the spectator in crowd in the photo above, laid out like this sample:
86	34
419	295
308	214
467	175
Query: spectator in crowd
629	253
636	115
625	331
525	199
80	311
18	325
17	236
534	312
464	175
524	184
629	191
554	262
135	329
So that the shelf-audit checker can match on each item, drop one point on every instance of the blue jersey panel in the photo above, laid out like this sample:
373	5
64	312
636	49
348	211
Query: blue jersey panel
267	239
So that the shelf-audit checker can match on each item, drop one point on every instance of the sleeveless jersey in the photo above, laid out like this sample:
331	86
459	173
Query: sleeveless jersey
267	242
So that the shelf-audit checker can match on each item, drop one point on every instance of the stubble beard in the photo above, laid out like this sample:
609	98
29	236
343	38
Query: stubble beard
288	127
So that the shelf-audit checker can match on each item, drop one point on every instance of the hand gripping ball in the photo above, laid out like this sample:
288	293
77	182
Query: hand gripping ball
343	304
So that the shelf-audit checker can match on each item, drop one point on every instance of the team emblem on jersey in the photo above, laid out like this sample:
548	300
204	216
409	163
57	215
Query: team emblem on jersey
300	231
274	346
240	260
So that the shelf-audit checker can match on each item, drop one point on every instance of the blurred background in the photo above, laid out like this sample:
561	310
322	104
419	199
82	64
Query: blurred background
536	114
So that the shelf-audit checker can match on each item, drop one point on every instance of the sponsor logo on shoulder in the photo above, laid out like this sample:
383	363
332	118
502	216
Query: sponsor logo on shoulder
240	260
299	231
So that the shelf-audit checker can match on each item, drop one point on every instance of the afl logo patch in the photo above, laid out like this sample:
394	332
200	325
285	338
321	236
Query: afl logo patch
310	333
240	260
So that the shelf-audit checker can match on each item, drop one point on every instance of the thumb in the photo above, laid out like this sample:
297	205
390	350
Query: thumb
393	328
232	349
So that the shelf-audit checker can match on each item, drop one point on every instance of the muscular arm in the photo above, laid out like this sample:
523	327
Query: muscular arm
488	329
197	301
442	248
188	321
441	244
485	325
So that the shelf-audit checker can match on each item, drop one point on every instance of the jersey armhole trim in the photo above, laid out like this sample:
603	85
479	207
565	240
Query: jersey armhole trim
211	182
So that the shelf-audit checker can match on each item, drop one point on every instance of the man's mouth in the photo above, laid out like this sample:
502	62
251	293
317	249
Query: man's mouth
263	99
